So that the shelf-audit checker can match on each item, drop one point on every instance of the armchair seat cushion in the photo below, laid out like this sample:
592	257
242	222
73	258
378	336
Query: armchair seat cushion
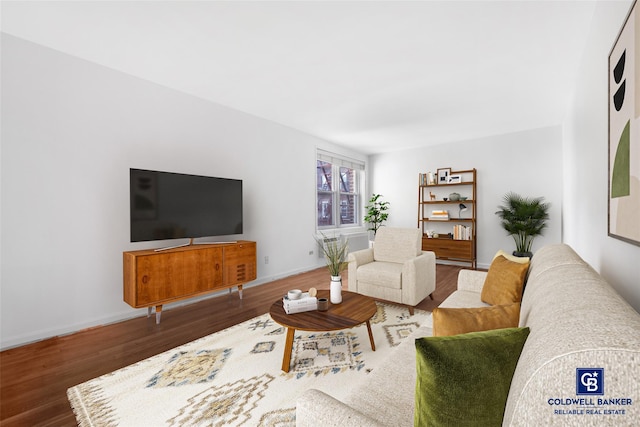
380	273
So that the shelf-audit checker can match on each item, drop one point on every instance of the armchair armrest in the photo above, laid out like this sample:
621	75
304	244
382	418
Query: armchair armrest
355	260
315	408
361	257
418	278
471	280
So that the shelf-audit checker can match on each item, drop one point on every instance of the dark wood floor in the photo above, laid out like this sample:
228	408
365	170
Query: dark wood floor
34	378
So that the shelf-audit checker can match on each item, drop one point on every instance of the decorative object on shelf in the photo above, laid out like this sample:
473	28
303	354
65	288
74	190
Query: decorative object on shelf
376	213
454	197
523	218
431	180
432	196
461	208
443	175
335	252
624	201
335	291
454	179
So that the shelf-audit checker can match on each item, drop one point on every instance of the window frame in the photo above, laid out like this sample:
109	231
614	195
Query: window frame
336	192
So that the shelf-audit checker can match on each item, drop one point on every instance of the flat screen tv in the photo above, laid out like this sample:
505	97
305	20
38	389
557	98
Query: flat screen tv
166	205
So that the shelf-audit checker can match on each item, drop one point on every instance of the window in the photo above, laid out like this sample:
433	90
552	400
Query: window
338	184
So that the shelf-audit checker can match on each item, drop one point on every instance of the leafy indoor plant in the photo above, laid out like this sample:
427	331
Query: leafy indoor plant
335	251
523	218
376	213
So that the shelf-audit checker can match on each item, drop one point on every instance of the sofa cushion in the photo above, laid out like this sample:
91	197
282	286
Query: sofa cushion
387	274
453	321
397	244
464	380
504	281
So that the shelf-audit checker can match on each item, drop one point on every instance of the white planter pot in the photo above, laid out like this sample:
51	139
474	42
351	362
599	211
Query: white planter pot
335	291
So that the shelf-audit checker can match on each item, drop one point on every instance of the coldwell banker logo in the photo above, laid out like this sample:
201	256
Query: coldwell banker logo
589	381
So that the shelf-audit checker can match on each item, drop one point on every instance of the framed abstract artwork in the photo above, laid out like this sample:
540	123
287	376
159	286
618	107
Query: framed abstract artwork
624	132
443	175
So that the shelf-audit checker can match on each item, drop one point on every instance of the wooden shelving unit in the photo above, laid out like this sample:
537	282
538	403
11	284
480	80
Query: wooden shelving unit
462	248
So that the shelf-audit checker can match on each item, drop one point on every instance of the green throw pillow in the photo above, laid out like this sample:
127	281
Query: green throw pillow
464	380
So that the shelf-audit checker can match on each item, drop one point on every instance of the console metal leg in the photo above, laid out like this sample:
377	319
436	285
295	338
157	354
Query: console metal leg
239	290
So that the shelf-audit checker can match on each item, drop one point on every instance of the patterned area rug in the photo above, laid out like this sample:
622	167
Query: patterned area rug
233	377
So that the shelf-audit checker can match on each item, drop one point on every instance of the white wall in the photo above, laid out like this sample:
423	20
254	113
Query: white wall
70	132
585	162
528	163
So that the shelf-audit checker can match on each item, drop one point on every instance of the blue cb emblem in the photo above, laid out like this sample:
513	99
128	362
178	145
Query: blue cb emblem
590	381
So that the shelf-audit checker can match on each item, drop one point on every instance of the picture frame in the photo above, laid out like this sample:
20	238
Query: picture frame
443	175
454	179
624	138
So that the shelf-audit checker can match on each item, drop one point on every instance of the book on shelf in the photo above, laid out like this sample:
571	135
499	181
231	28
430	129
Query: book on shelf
462	232
439	215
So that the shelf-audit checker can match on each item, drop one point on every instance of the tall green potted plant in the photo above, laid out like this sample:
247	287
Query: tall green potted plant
335	251
376	213
523	218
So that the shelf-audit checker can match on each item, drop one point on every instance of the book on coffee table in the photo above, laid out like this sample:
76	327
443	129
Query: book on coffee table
300	309
304	303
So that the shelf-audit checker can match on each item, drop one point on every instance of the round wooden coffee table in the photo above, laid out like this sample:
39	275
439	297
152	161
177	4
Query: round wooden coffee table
354	310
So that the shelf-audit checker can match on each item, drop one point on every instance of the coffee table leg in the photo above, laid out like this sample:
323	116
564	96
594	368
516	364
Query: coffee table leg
288	348
373	344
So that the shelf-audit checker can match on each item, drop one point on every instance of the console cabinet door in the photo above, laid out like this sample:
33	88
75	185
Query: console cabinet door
240	263
171	275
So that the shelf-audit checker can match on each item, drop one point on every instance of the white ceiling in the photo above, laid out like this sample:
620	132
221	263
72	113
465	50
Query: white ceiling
374	76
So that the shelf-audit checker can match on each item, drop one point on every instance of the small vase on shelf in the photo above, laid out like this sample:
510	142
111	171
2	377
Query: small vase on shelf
336	290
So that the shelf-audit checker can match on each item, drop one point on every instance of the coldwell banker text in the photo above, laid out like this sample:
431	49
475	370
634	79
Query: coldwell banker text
590	406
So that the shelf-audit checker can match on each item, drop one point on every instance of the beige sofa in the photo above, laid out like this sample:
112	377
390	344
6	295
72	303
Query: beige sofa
576	320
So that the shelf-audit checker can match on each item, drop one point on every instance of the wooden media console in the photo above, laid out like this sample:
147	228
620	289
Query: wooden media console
153	278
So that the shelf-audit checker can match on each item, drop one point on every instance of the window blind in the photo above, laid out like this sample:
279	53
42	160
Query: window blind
339	160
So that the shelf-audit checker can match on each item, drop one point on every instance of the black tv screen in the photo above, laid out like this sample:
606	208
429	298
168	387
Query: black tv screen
166	205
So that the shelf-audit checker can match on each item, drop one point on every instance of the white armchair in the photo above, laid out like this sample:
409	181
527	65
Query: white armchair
396	269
